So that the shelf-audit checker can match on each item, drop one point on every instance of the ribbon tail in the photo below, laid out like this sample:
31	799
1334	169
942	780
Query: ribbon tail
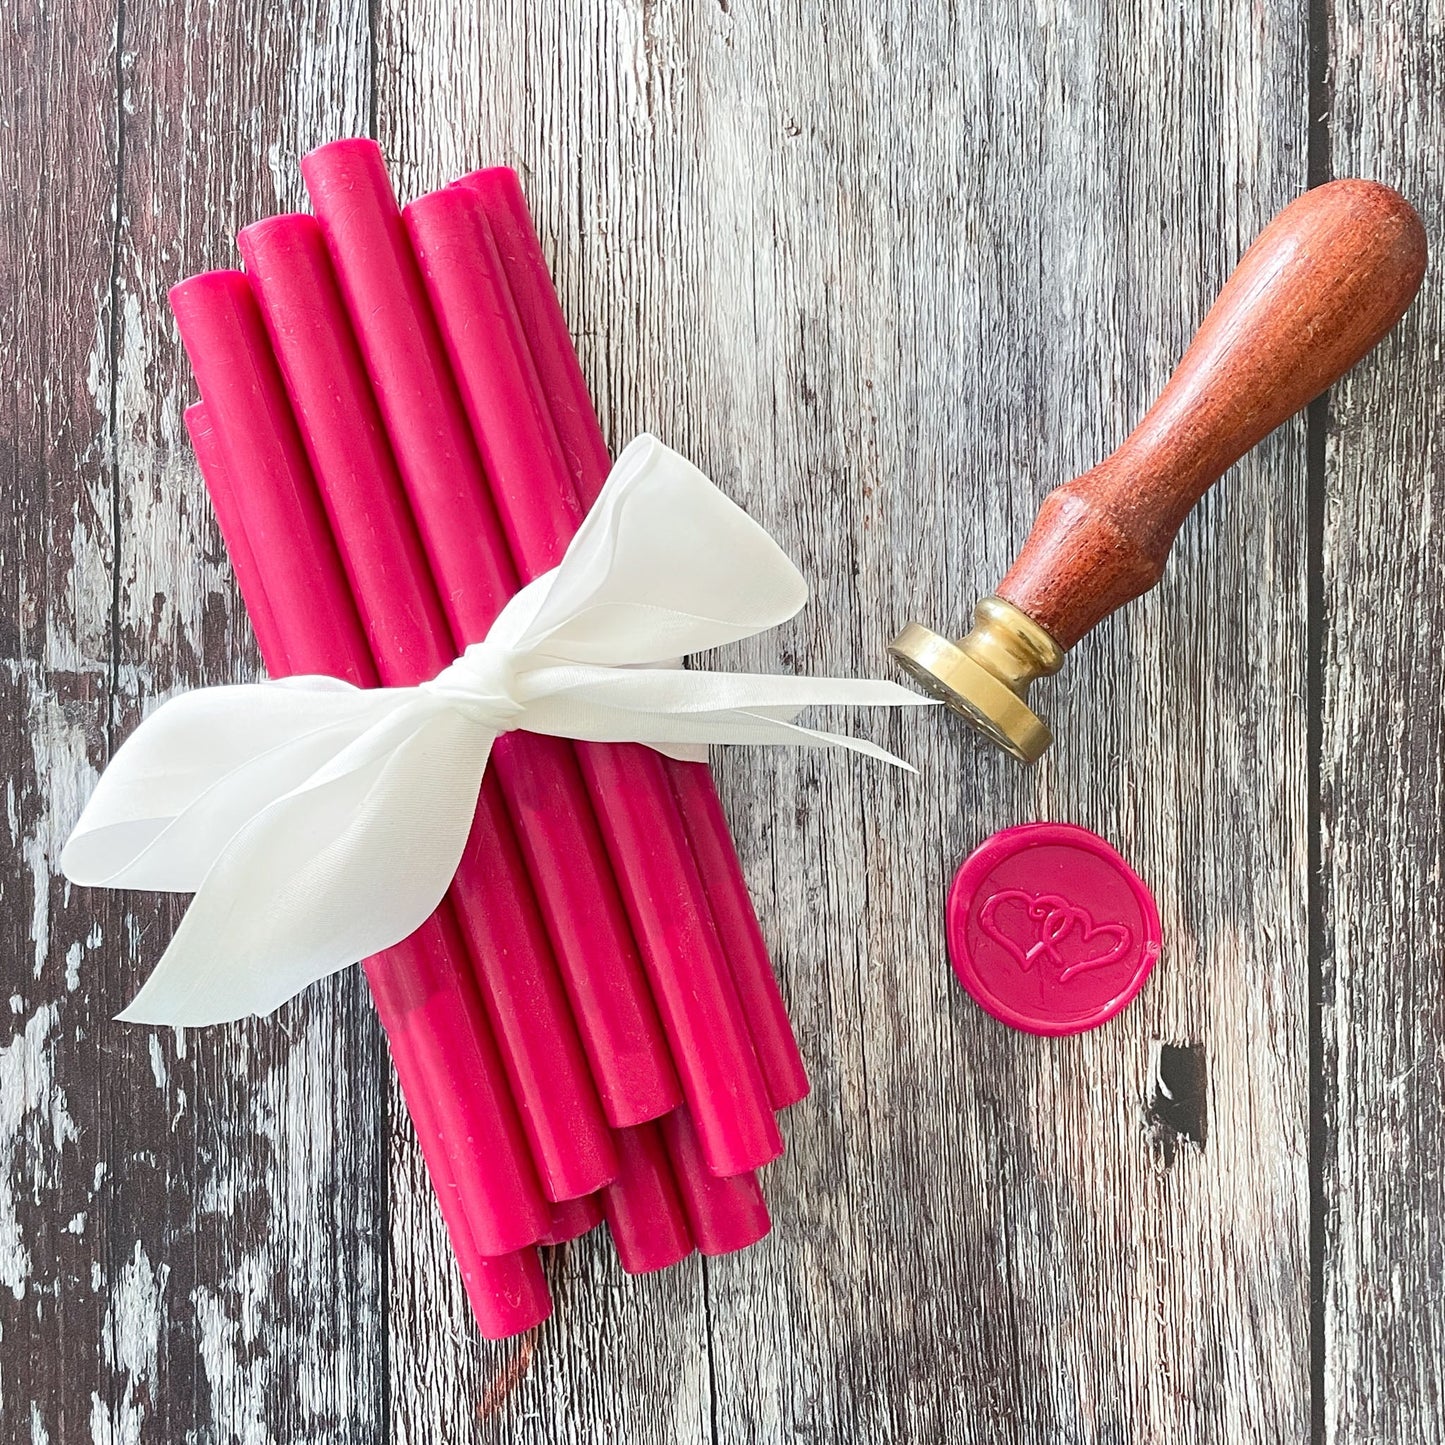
667	708
326	876
792	734
753	728
682	752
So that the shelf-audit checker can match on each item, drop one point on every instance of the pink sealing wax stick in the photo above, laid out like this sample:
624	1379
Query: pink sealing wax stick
723	1215
573	1218
291	275
588	461
422	985
439	466
207	447
538	505
523	462
508	1294
643	1208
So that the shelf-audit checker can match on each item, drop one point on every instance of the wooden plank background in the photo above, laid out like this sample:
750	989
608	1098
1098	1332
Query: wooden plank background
888	272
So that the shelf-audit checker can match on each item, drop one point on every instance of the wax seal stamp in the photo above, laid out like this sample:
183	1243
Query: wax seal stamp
1050	930
1330	275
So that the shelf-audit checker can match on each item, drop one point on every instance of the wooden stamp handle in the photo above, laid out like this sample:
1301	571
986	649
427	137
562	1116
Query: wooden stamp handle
1330	275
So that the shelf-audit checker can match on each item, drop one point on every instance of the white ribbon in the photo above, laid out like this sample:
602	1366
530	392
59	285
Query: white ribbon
318	823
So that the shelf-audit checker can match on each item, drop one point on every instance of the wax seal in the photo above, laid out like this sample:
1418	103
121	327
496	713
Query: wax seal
1050	930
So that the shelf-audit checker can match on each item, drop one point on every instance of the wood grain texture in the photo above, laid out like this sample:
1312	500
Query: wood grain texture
890	273
56	1259
1329	276
845	260
1383	783
186	1216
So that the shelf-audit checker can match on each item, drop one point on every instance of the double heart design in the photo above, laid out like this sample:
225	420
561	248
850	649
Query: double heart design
1048	927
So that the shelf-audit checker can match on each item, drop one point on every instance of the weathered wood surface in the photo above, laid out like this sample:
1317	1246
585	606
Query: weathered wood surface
192	1226
1381	1329
889	272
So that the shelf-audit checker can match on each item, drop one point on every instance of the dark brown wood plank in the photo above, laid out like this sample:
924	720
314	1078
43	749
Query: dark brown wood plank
196	1223
58	117
1383	782
890	273
277	1298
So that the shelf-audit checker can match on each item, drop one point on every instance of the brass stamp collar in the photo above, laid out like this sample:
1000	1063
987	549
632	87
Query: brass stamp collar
985	676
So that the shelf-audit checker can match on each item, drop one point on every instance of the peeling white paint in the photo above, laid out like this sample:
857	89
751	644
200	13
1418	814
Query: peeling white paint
133	1326
238	1376
118	1426
299	1127
78	639
72	967
75	955
33	851
65	777
283	168
29	1102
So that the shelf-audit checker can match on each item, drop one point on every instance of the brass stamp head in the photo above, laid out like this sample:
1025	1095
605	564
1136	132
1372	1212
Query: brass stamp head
985	676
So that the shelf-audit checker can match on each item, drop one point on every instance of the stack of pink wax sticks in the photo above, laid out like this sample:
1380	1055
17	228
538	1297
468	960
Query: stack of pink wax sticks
396	435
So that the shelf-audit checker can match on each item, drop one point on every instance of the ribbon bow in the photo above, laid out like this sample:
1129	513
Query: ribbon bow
318	823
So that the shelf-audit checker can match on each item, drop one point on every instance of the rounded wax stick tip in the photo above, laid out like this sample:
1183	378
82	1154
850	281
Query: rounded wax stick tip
508	1293
492	180
273	228
352	193
734	1142
724	1215
355	165
644	1213
572	1218
207	287
351	149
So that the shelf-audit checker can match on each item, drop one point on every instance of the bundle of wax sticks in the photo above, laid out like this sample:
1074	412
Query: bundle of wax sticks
396	434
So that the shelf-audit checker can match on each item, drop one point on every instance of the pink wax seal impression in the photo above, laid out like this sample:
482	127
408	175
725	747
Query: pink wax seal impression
1050	930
